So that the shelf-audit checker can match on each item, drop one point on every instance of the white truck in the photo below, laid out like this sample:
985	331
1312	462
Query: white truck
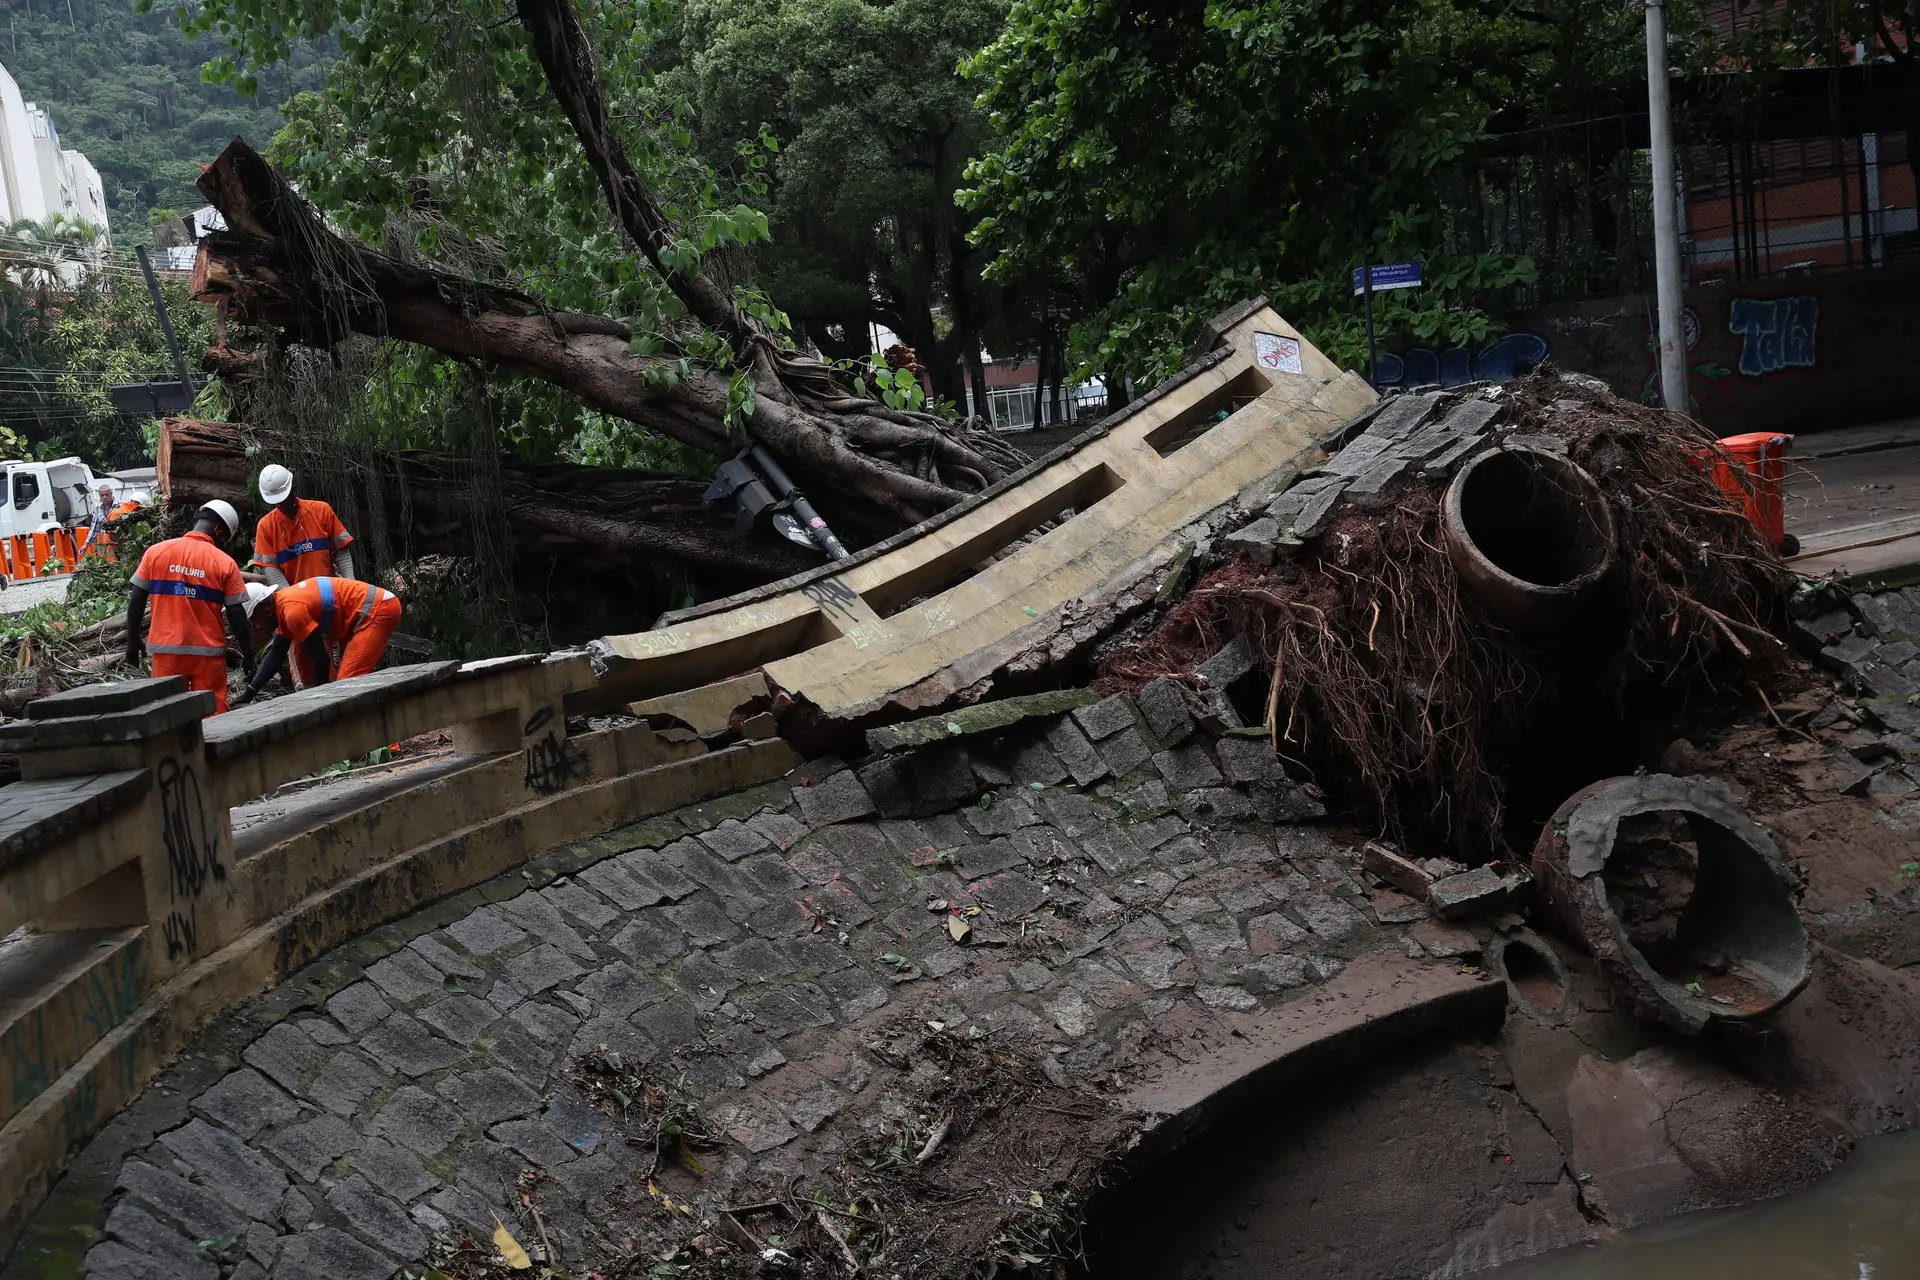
52	498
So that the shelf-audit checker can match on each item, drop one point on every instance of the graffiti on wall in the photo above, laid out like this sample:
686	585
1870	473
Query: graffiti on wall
1511	356
193	857
1775	333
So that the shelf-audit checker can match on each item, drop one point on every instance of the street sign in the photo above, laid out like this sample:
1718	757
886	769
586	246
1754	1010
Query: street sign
1389	275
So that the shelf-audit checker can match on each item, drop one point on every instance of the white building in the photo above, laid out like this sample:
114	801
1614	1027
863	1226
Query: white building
37	177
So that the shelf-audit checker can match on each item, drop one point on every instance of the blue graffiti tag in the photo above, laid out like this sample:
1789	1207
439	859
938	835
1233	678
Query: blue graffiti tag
1775	333
1496	362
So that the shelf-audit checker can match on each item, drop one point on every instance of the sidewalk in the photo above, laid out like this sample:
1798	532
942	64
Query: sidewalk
1853	500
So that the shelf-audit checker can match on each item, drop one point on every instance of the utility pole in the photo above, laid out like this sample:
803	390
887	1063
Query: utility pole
166	322
1666	216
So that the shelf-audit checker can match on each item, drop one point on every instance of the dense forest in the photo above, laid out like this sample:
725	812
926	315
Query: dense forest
126	89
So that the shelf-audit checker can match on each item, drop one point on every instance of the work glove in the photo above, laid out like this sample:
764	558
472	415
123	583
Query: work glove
242	698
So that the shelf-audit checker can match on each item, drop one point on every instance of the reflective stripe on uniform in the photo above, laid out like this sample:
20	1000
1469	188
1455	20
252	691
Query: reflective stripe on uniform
299	549
326	608
175	587
374	596
188	650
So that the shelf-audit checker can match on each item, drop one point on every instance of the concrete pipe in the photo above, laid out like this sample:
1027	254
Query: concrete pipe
1538	984
1529	534
1685	902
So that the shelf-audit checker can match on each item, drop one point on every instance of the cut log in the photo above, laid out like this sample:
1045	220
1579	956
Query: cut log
610	519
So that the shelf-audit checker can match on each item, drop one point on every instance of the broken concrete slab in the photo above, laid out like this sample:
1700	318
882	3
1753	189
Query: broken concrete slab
1480	891
980	719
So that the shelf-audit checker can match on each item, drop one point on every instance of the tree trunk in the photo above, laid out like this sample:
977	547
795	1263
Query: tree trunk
598	519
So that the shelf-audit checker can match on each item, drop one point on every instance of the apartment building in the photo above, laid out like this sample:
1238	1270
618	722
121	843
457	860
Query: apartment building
38	177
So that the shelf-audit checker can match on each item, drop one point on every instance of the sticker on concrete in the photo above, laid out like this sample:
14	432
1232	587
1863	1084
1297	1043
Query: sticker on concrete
1272	351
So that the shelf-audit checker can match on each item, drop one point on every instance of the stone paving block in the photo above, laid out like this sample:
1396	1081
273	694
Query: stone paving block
406	977
1007	814
1327	916
889	783
857	991
244	1102
1164	705
444	958
816	1106
1035	761
609	1032
329	1254
323	1032
544	966
1184	853
670	1023
1255	540
1234	999
544	1022
1125	751
839	798
650	940
484	932
309	1147
613	881
460	1018
942	777
706	982
542	920
1315	511
777	828
535	1140
653	867
1148	800
978	860
1182	907
1106	717
1009	894
396	1172
1275	972
345	1082
813	953
578	902
754	960
1030	975
286	1055
838	904
1071	1013
1072	813
1187	767
1152	834
418	1121
1234	660
1215	805
1215	937
734	840
1160	968
204	1215
361	1005
1070	745
1113	849
771	876
228	1167
1247	760
110	1260
616	989
404	1044
376	1219
158	1249
703	922
489	1095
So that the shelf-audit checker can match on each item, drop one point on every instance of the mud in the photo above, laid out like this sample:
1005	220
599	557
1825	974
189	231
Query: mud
1650	880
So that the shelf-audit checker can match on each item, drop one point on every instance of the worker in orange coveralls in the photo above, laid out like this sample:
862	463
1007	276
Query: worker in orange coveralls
318	615
184	586
300	538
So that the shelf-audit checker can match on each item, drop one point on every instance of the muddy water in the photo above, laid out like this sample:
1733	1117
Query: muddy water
1862	1223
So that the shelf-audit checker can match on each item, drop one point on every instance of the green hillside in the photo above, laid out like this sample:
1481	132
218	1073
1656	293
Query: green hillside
125	89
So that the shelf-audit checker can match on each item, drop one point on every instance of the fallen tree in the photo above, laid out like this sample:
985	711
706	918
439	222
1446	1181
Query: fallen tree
599	519
279	266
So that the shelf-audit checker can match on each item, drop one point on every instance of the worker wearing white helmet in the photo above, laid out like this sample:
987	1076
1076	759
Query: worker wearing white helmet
185	586
299	538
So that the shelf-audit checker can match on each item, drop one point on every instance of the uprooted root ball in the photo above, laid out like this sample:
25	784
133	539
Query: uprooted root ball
1408	704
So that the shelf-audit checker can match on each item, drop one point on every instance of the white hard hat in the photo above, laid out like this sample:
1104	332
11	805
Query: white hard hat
257	592
276	482
228	516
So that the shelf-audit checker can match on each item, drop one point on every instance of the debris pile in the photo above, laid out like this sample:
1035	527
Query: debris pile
1473	577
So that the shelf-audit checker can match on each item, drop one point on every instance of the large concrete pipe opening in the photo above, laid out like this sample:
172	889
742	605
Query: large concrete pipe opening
1686	902
1530	534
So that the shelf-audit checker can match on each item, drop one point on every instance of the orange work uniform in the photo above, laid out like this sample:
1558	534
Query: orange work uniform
188	582
346	612
301	547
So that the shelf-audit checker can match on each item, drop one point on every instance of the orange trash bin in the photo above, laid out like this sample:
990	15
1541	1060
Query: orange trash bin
1762	491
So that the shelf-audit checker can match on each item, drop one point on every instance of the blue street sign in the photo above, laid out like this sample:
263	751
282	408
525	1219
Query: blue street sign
1390	275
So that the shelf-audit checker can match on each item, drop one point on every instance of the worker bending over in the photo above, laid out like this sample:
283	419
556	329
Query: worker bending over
186	584
317	615
300	538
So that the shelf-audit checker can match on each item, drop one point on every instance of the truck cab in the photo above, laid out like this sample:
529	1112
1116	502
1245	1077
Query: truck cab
45	510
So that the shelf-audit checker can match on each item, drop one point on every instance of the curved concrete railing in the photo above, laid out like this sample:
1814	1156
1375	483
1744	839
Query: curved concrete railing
160	890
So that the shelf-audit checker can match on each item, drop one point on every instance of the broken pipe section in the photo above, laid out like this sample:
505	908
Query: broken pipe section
1685	902
1530	535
